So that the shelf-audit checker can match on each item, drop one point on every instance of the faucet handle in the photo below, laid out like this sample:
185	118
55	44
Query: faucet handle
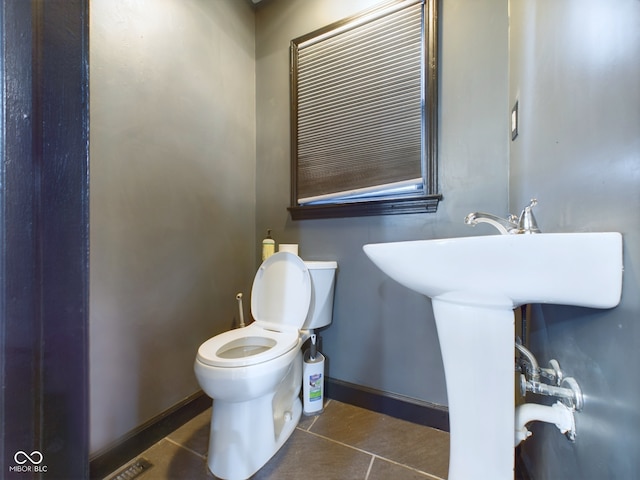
527	222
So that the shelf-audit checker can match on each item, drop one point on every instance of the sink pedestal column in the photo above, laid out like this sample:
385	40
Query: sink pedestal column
476	339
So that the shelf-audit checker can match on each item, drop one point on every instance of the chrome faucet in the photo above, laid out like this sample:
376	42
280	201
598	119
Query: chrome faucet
525	224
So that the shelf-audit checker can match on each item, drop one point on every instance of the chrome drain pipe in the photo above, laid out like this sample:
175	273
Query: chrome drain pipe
558	414
571	395
566	389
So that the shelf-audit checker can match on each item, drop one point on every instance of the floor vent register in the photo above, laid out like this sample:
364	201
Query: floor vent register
137	468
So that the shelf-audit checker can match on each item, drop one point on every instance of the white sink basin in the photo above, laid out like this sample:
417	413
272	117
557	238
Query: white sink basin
474	283
582	269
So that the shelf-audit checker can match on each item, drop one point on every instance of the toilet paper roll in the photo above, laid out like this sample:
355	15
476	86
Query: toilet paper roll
289	247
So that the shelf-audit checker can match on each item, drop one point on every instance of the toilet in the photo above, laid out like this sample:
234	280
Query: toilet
254	374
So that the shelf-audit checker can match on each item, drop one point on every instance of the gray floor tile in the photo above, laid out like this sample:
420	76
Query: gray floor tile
384	470
306	421
172	462
308	456
339	444
420	447
195	433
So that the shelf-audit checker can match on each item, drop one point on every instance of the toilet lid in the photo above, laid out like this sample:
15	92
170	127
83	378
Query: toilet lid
281	292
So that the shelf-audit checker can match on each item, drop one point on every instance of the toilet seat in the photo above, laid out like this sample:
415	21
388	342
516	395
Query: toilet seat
246	346
280	300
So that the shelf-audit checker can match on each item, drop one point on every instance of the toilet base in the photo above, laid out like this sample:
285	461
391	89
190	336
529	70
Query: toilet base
245	435
237	450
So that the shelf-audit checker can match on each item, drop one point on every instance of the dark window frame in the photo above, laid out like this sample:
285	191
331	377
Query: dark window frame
426	203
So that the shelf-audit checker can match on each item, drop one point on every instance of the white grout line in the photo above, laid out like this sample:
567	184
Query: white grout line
308	430
366	477
430	475
315	418
204	457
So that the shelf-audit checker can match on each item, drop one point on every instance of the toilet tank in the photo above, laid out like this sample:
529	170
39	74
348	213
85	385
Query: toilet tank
323	276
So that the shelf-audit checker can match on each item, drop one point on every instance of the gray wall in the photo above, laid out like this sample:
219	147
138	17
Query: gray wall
190	166
575	68
172	197
383	336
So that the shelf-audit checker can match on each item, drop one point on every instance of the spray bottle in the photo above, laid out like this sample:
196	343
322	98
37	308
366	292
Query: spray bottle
313	380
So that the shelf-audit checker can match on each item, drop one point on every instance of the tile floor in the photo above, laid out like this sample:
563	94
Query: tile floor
345	442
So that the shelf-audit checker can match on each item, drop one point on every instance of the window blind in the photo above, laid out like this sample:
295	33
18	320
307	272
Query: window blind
359	108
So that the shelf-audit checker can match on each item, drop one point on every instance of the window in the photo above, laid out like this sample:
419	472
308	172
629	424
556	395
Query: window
363	114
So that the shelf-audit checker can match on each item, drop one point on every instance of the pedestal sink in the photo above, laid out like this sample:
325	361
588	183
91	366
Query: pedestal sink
475	283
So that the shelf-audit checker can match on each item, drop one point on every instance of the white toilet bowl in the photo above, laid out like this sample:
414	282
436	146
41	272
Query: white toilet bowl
254	374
